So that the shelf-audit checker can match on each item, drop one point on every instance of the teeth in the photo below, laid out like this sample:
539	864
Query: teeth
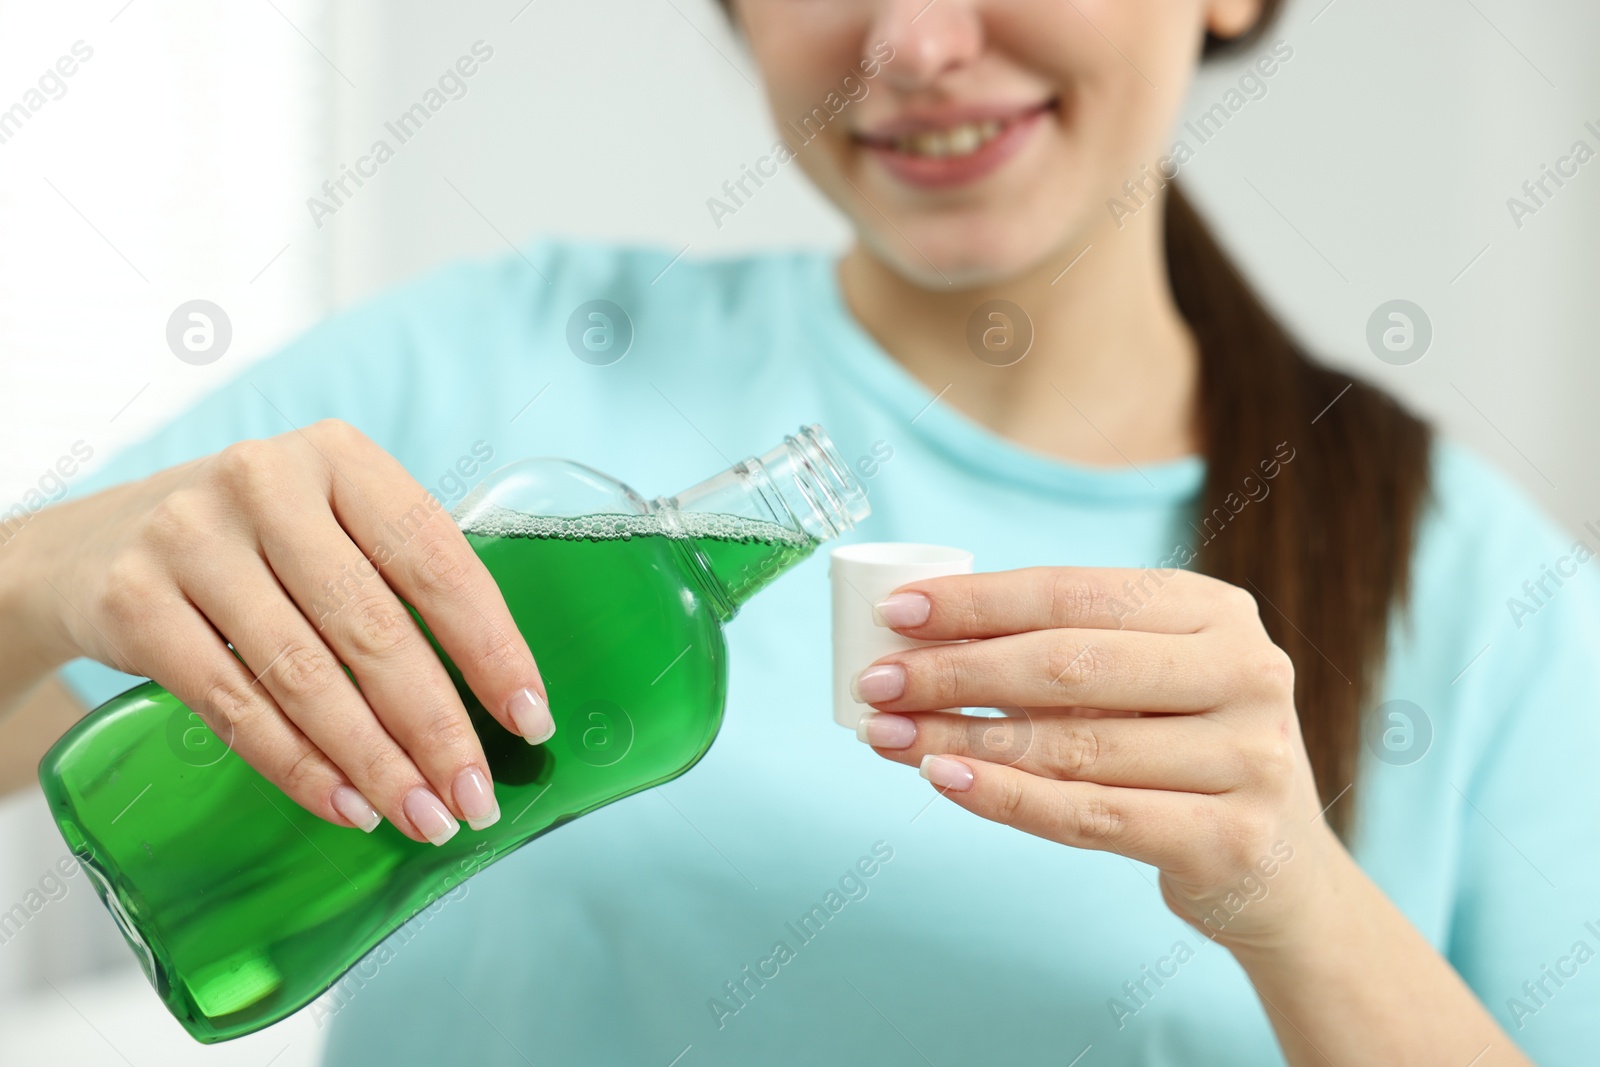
960	140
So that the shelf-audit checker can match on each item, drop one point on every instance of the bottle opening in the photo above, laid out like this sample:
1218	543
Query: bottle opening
814	483
777	508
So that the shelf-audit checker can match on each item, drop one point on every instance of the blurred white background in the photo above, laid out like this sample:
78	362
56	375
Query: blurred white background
177	161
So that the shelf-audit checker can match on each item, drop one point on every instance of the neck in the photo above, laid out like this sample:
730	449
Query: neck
1111	377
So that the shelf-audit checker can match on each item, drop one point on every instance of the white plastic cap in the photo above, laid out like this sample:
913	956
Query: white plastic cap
862	575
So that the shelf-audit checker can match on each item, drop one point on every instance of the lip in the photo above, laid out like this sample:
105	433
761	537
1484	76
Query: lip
1020	124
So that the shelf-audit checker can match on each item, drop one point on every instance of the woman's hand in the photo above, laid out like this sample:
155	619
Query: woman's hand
297	550
1148	715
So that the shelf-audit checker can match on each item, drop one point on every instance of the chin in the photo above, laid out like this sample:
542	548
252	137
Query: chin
988	250
994	232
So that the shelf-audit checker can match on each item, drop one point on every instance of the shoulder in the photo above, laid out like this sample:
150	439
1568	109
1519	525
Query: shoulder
529	299
555	276
1479	522
1504	600
549	313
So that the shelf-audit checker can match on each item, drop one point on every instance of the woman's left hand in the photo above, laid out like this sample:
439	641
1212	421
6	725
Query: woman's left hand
1149	714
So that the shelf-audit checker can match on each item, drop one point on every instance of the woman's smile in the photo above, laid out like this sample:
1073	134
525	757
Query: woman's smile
953	145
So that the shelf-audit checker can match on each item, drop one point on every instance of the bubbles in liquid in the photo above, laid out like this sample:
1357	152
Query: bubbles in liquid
489	520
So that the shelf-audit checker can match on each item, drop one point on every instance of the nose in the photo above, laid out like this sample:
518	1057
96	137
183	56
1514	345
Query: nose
929	38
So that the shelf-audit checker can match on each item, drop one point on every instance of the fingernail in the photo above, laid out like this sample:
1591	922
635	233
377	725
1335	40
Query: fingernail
429	815
878	684
886	731
349	802
902	609
475	797
532	716
946	773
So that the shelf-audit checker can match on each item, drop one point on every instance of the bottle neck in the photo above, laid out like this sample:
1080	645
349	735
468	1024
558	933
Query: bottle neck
742	528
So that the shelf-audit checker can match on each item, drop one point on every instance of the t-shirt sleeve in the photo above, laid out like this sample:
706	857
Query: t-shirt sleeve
357	366
1525	932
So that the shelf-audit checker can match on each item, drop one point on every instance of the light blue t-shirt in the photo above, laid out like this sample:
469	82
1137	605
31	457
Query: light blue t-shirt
649	930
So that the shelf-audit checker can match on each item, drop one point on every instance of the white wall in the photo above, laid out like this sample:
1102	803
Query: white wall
610	118
1377	167
163	174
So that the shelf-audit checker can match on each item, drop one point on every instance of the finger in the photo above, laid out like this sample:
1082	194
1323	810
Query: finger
1183	753
1038	598
370	631
426	559
193	663
1120	671
244	600
1147	825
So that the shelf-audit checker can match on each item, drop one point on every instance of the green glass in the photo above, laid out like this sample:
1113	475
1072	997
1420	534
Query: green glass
243	908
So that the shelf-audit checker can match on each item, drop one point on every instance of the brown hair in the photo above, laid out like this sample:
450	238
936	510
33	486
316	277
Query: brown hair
1329	558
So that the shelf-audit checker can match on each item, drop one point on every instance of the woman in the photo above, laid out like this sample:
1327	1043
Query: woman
1290	784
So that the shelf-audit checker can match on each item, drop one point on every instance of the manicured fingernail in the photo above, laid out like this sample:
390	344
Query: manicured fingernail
475	798
429	815
946	773
887	731
349	802
532	716
902	609
878	684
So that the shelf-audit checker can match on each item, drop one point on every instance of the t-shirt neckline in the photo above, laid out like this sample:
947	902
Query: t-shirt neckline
856	354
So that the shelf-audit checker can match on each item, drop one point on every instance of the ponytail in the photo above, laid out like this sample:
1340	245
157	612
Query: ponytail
1326	548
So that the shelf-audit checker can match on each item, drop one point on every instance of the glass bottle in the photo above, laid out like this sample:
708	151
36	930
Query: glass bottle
243	907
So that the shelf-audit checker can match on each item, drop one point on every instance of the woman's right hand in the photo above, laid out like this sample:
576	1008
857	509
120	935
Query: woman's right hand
266	546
